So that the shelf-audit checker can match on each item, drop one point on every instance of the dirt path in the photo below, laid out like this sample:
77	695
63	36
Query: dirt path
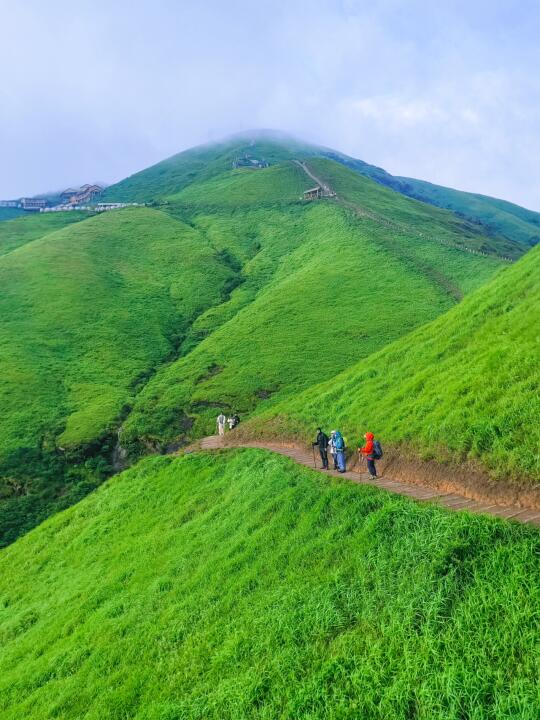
451	501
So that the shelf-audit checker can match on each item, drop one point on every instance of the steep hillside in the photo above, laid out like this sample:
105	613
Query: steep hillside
498	217
464	387
86	313
241	586
519	228
203	163
10	213
20	231
236	292
343	285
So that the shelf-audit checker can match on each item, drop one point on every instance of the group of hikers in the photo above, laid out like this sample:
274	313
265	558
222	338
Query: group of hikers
231	421
371	451
335	444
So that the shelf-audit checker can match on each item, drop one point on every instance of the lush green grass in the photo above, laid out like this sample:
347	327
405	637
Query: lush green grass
235	293
324	289
506	227
10	213
202	163
242	586
501	216
431	224
86	314
464	386
22	230
498	217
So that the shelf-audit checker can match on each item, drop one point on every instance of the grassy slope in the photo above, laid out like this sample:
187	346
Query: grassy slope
520	227
504	217
10	213
89	309
431	224
86	313
324	289
500	217
466	385
241	586
18	232
199	164
92	310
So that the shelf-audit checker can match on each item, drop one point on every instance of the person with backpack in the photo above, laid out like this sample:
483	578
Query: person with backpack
372	451
220	422
339	444
321	442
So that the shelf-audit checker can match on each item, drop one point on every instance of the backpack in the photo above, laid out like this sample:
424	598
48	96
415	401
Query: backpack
377	450
339	444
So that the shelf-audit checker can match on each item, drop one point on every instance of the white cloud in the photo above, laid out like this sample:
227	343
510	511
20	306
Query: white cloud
449	93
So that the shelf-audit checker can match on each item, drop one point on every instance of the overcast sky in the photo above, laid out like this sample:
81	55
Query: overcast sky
447	92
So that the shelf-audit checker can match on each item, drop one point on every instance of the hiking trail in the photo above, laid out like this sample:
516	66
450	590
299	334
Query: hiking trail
448	500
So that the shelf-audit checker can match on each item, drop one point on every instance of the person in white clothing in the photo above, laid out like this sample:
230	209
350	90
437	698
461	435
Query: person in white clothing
220	422
333	449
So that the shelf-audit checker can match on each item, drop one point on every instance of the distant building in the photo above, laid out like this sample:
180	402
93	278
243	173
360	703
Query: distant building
318	192
86	193
250	162
68	193
313	193
9	203
34	204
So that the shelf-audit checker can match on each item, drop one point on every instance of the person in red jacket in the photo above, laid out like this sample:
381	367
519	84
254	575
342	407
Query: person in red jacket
368	452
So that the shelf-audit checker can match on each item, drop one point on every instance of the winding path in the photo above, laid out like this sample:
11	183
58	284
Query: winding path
451	501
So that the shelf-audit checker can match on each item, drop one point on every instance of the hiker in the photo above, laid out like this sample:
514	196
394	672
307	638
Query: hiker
339	444
333	451
230	422
372	451
220	422
236	419
322	443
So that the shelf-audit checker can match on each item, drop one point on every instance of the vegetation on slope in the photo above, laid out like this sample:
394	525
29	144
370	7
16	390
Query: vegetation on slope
498	217
511	228
86	314
202	163
243	586
340	287
91	312
465	386
18	232
10	213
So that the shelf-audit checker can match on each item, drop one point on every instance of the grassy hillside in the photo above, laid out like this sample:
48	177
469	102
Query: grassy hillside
432	224
10	213
501	216
202	163
25	229
498	217
465	386
325	288
234	294
241	586
86	313
519	227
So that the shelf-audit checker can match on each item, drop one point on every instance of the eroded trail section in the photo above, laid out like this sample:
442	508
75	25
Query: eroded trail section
451	501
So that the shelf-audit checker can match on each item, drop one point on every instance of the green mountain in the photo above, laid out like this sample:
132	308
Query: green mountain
464	387
237	584
22	230
518	226
497	216
232	293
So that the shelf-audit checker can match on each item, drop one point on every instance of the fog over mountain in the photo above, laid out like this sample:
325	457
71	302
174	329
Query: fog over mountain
447	94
